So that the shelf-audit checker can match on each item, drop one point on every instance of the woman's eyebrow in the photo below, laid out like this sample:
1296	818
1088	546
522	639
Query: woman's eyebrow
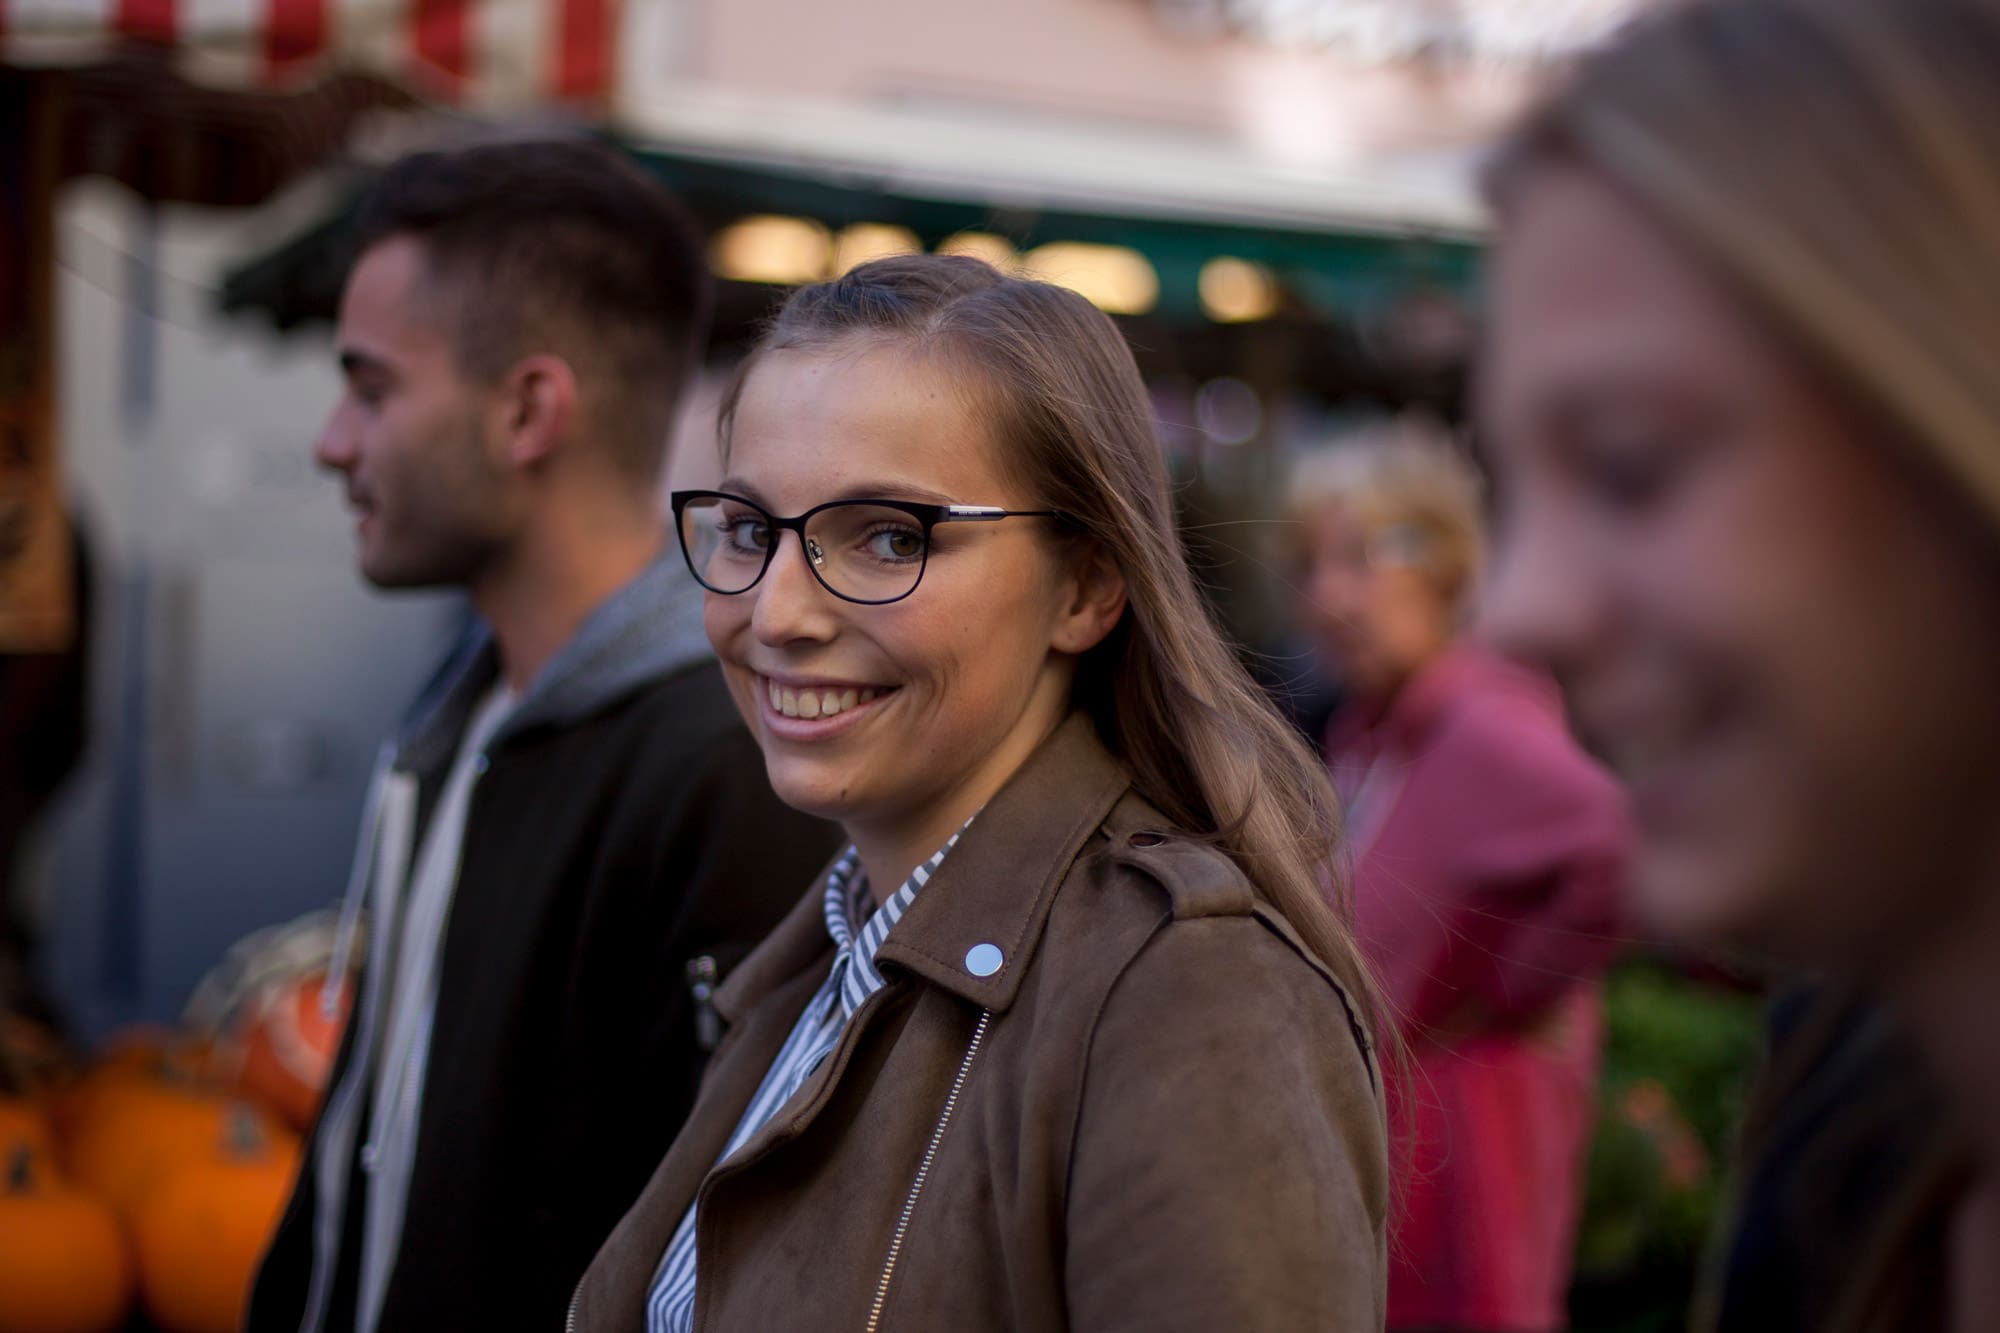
861	490
892	490
738	486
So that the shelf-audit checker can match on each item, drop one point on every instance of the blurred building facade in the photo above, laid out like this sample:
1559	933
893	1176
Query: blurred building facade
1273	198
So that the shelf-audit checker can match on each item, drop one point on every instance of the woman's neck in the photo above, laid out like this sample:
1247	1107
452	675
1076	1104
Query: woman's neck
890	851
1376	699
893	843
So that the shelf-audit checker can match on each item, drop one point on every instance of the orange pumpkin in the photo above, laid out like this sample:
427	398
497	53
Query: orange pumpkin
141	1056
124	1137
203	1227
141	1047
289	1042
64	1267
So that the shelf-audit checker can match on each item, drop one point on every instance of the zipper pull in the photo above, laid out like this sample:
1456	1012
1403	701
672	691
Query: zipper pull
701	976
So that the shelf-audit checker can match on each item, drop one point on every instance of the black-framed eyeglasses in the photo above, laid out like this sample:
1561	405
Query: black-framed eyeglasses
867	551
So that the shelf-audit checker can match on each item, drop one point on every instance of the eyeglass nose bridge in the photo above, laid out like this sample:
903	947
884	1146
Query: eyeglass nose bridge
817	559
809	547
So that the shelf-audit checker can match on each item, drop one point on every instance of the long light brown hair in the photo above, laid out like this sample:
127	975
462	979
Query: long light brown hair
1062	395
1837	163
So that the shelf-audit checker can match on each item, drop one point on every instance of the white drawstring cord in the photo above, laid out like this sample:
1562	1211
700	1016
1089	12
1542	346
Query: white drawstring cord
331	994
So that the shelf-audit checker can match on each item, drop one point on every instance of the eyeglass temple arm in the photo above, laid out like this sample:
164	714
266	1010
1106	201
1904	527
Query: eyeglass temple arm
989	513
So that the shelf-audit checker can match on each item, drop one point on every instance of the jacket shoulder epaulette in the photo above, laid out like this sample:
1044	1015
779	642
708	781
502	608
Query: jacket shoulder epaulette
1199	878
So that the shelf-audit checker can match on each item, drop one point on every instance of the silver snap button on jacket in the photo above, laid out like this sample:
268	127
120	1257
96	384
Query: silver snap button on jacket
983	960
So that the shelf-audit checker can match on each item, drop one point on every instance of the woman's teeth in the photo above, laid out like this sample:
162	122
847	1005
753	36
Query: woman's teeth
815	703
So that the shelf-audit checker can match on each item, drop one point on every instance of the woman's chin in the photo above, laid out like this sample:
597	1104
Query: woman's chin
809	788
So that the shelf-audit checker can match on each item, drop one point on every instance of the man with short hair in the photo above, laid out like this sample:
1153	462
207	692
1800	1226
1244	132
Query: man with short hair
573	832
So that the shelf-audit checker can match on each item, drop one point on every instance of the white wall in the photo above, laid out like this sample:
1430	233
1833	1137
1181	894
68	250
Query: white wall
243	673
1084	60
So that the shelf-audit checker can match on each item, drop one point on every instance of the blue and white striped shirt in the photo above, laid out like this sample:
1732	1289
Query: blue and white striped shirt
670	1308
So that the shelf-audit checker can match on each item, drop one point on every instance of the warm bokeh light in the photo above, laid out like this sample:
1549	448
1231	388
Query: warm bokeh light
1236	291
863	241
995	250
766	248
1116	280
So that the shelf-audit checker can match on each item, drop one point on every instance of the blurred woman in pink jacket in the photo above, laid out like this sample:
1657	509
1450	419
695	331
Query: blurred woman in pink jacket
1488	850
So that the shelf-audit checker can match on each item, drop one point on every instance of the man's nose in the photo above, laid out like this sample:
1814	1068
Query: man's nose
335	448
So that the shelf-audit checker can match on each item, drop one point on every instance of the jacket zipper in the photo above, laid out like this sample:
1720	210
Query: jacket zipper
924	1171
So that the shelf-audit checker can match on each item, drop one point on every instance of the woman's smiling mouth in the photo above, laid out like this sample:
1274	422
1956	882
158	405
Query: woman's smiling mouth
811	702
817	702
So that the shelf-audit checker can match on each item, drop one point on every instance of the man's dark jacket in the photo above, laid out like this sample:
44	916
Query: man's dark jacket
622	827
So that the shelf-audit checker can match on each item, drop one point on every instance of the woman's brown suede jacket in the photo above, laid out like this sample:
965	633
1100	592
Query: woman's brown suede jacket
1160	1113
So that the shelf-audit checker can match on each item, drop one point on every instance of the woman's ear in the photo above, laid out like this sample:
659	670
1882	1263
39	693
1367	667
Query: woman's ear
1094	599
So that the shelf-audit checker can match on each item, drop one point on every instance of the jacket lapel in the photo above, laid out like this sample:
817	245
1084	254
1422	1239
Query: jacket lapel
975	927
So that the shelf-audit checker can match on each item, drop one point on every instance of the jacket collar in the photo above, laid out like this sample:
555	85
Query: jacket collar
648	629
994	889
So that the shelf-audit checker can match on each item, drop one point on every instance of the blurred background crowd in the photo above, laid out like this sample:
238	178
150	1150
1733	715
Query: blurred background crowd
1273	197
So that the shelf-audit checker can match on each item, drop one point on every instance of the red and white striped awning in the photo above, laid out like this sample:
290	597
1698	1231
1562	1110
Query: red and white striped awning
484	54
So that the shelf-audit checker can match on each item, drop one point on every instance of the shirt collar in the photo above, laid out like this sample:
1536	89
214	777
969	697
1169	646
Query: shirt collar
846	901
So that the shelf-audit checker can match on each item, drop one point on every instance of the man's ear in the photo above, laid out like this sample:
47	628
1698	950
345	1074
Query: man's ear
538	400
1095	599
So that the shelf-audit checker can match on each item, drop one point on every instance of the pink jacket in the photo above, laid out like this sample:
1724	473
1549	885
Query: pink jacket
1488	854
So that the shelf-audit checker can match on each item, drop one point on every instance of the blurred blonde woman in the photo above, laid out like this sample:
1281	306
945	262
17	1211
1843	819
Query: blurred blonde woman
1487	851
1744	391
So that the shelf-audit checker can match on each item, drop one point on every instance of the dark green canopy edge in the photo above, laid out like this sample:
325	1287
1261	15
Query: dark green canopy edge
1336	274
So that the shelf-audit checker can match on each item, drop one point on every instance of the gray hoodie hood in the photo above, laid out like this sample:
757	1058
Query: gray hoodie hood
649	629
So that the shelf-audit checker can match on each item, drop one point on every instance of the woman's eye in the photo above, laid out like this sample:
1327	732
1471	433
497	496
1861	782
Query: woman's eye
1630	475
747	534
895	543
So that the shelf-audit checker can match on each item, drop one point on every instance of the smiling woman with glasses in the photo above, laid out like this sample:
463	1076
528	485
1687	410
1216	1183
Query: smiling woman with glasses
1069	1037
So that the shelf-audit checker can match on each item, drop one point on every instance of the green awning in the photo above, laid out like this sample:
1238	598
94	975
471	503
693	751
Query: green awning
1339	274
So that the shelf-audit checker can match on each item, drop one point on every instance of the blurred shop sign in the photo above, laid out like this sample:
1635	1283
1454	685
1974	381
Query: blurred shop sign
488	55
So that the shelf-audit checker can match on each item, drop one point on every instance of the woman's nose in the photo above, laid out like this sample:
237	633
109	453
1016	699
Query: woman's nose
1330	593
1541	599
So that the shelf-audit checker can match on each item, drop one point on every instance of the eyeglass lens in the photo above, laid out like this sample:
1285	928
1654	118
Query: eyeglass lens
866	552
